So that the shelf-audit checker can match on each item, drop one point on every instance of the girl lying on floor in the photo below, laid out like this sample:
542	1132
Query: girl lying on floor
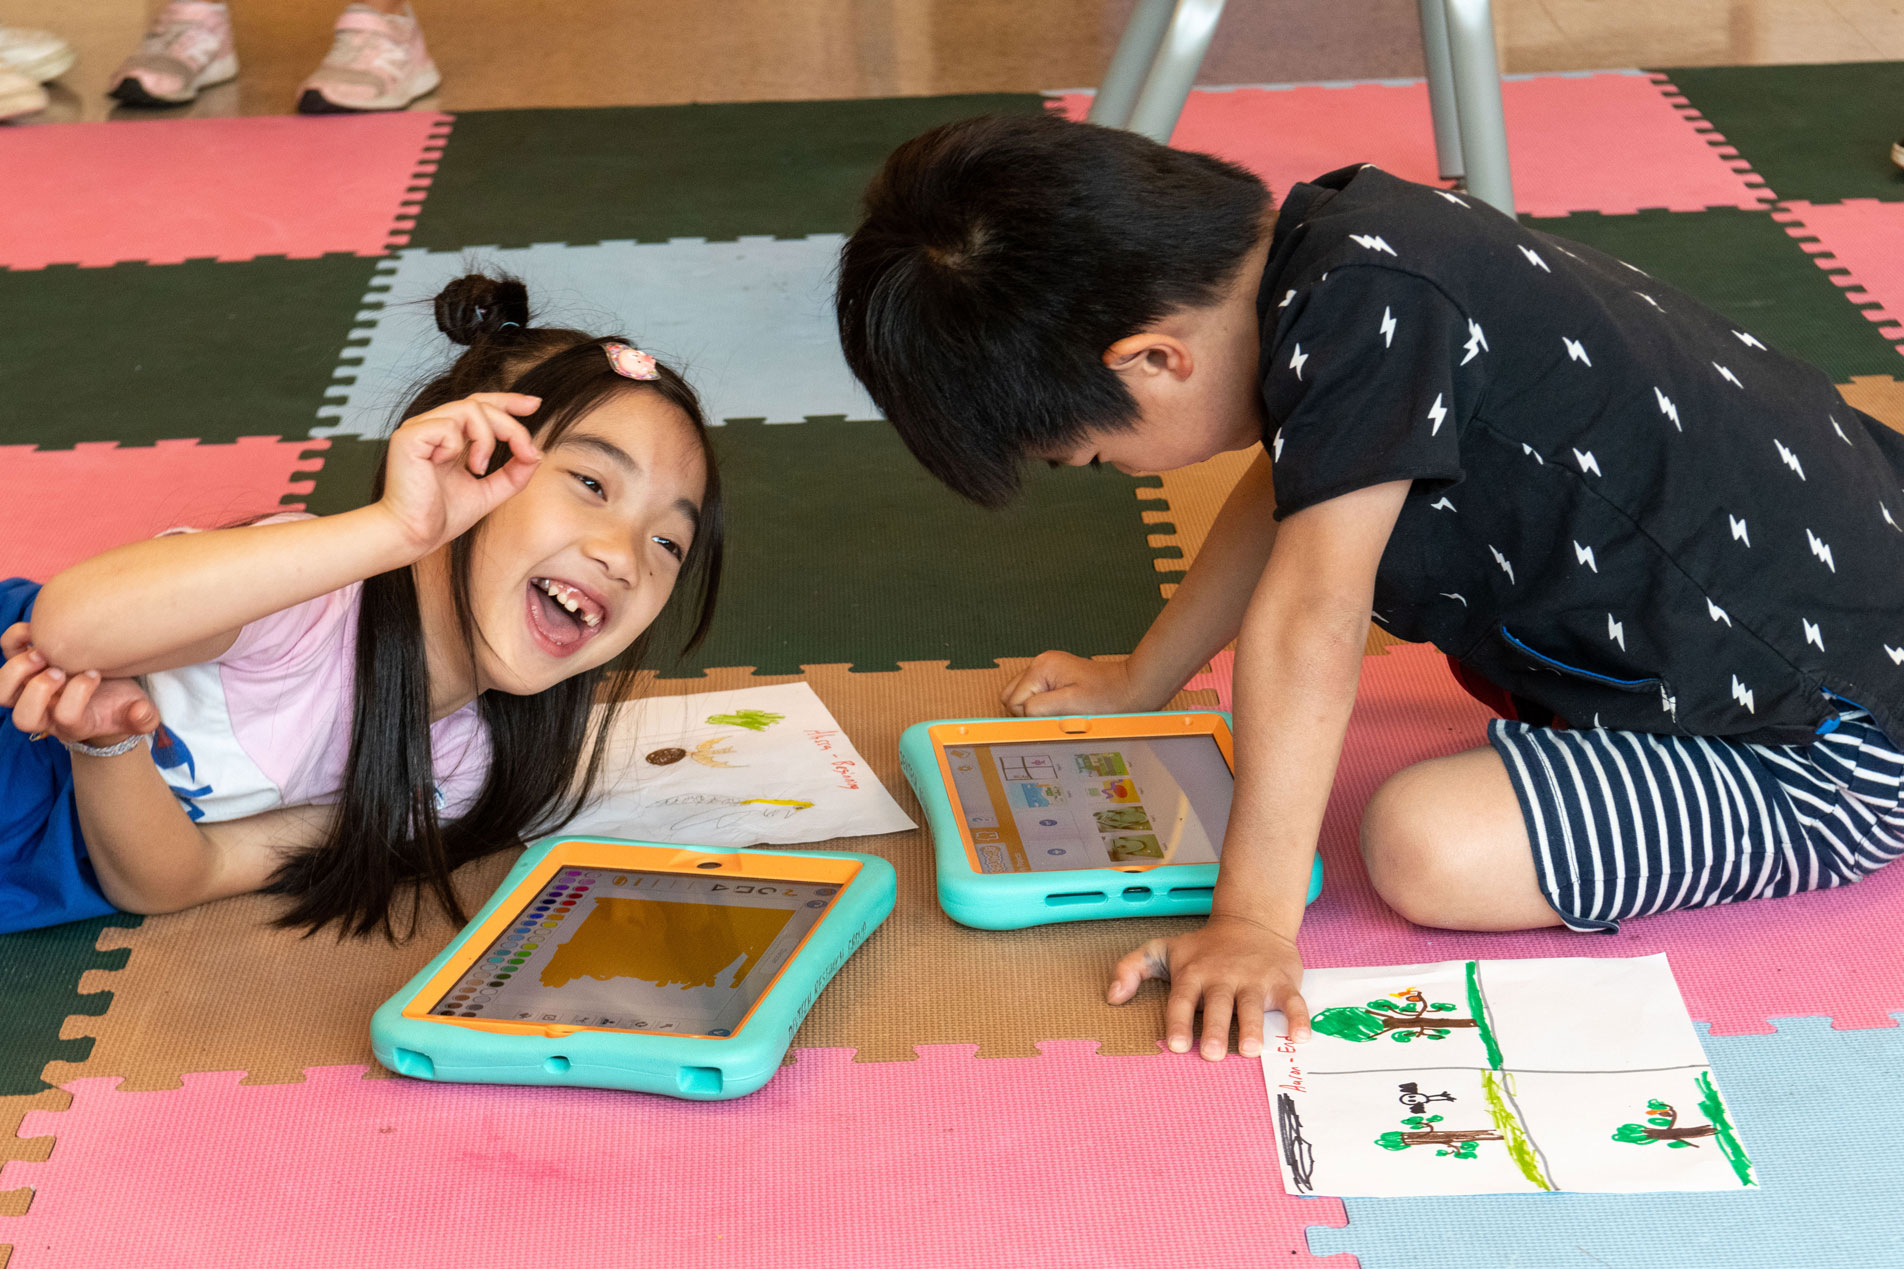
344	709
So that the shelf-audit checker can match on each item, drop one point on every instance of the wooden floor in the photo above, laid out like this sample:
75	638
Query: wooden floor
498	53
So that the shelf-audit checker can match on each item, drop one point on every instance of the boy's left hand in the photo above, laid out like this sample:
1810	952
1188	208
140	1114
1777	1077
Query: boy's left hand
1232	966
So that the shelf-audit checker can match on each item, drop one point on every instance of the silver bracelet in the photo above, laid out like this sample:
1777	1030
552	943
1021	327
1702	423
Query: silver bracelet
109	751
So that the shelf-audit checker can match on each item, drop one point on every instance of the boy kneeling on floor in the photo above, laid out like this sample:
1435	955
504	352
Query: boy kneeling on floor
1673	544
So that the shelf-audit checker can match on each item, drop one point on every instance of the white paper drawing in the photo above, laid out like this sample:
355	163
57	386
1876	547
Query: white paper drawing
1486	1077
757	766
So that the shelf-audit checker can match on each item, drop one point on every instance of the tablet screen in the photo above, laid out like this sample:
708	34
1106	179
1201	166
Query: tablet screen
1102	803
640	951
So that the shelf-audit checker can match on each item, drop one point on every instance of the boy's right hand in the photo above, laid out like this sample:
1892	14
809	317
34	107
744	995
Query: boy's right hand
1059	683
434	485
82	708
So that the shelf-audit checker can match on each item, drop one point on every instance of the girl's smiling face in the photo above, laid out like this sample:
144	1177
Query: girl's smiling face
570	572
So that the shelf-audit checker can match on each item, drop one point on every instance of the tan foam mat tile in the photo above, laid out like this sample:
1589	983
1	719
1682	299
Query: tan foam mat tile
1879	396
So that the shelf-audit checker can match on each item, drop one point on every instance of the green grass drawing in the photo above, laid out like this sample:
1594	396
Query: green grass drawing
1477	1005
1520	1147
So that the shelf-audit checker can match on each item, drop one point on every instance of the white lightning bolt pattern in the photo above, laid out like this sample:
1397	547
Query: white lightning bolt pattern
1388	327
1743	695
1790	459
1588	463
1896	654
1276	447
1748	341
1296	359
1442	505
1529	451
1451	198
1727	375
1717	613
1575	351
1739	533
1584	555
1616	631
1502	561
1533	257
1668	703
1667	407
1840	431
1813	635
1887	516
1448	594
1373	242
1477	342
1287	298
1650	300
1819	549
1436	413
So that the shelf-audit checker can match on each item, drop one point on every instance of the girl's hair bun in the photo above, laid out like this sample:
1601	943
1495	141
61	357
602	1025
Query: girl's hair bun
476	307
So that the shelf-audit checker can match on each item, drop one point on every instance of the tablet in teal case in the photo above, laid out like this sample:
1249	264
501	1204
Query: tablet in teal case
681	970
1039	820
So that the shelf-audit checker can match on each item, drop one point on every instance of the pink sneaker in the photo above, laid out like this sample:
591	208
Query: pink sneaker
377	62
188	47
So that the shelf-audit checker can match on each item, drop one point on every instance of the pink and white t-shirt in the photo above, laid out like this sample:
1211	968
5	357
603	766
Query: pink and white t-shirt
268	723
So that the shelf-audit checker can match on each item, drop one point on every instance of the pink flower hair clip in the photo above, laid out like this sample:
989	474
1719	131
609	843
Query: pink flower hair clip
631	363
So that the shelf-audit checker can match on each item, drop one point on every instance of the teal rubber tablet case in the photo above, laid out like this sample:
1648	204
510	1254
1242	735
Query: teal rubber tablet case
698	1067
1015	900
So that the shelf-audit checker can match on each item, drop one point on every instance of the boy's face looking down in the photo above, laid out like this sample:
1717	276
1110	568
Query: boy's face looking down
1194	378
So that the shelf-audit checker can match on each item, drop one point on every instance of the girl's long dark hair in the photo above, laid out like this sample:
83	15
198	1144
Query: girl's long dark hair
387	837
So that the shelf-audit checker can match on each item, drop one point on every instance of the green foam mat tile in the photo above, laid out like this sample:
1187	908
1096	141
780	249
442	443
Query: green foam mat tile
1819	133
1746	266
343	482
841	549
39	990
516	177
137	353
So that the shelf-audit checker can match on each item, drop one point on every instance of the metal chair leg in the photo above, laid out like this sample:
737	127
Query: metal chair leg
1441	102
1130	65
1156	63
1477	90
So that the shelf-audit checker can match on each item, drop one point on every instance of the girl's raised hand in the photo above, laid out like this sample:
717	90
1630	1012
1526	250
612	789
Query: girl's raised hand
82	707
433	484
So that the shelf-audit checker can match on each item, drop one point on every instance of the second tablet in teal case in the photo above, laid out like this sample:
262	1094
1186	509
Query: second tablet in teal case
1016	900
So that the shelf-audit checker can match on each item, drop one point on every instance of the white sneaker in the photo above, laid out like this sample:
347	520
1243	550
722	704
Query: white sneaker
188	47
20	95
377	62
38	55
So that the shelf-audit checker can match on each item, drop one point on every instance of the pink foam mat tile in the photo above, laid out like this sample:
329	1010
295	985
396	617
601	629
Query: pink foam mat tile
1066	1159
1833	953
1611	141
1860	242
62	506
230	189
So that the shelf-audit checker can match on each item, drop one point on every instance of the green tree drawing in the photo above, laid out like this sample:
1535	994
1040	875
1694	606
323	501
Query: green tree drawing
1415	1018
1662	1124
1465	1143
751	719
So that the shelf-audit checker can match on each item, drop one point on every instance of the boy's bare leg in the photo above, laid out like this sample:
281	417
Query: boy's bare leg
1446	846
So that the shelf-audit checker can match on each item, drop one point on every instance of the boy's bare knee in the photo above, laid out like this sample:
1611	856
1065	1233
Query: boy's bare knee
1399	847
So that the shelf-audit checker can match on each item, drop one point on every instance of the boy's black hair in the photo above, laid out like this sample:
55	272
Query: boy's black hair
546	749
998	259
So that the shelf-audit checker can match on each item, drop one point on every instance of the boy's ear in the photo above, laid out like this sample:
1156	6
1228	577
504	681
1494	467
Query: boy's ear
1150	353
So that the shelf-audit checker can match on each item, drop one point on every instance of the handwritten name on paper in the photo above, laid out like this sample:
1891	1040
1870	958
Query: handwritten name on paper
844	768
1284	1055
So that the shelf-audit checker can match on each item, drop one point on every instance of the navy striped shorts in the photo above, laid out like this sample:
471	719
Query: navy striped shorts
1628	824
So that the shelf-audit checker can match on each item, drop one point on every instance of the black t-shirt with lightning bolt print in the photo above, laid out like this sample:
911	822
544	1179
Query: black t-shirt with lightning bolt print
1624	507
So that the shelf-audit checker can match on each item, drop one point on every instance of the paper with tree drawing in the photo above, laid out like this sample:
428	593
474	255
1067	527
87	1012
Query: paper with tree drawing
1489	1077
758	766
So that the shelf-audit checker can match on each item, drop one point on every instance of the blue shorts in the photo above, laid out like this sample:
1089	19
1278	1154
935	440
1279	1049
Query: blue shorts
44	875
1624	824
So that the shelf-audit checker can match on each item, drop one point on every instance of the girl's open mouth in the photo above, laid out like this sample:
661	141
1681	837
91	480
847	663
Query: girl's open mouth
562	617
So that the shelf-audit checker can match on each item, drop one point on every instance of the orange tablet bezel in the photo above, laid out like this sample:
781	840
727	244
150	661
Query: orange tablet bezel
1020	731
633	857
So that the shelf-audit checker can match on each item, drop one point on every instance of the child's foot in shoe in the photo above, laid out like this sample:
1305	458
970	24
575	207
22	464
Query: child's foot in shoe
37	55
187	48
377	62
20	95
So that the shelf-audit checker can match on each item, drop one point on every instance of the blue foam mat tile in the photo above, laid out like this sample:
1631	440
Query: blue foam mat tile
1817	1109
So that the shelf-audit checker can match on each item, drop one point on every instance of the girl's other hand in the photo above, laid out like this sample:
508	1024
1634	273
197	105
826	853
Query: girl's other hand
1059	683
434	486
83	708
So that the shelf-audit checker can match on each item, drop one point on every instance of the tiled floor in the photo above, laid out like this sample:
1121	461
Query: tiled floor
503	53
